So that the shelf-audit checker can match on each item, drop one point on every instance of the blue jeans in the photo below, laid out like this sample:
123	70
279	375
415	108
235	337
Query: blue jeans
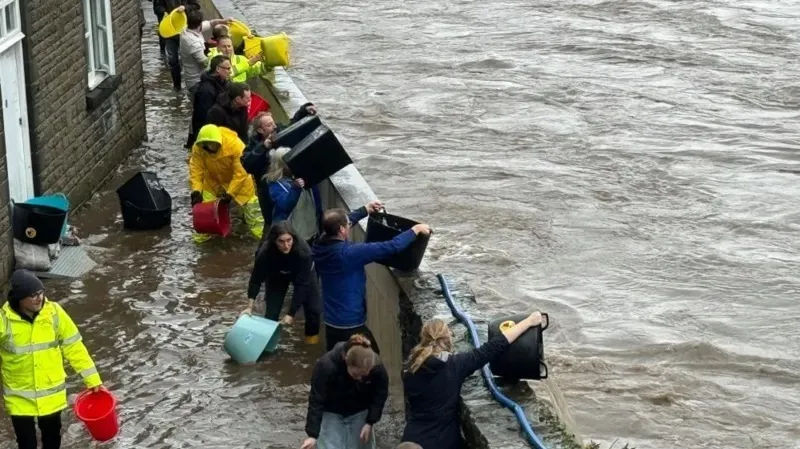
173	46
338	432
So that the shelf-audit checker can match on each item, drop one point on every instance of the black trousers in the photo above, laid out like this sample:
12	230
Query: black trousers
274	297
335	335
25	429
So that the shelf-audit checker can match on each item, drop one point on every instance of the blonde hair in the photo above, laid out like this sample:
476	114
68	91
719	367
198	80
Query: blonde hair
433	339
277	167
358	353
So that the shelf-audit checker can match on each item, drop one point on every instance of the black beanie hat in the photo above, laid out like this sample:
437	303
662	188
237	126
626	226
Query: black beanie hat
24	284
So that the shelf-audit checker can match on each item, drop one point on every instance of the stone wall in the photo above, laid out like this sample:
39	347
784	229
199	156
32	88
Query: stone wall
79	136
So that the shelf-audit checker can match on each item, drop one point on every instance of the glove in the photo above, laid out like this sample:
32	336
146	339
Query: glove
197	197
225	198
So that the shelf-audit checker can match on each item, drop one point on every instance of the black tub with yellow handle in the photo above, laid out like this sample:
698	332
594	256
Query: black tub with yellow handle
525	358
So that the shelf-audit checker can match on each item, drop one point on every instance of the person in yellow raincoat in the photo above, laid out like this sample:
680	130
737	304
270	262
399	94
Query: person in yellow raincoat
243	68
215	171
34	335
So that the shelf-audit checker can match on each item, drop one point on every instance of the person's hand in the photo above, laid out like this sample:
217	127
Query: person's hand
534	319
197	197
374	206
96	389
247	311
254	59
287	320
309	443
299	182
227	21
365	432
311	109
421	229
180	8
225	198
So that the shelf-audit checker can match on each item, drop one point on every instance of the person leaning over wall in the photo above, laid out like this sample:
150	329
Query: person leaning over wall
36	334
349	387
243	68
433	376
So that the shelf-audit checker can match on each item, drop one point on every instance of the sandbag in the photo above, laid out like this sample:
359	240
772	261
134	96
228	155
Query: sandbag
31	257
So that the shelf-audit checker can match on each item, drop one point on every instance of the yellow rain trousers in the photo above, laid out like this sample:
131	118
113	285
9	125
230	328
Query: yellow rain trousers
242	70
34	380
222	172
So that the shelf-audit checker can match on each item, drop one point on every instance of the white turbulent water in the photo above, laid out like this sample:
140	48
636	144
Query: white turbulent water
630	167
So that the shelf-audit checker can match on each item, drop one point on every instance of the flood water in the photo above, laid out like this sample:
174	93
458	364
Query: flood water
630	167
155	311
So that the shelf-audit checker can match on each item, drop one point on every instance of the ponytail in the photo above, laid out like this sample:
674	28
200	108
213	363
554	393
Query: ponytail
433	339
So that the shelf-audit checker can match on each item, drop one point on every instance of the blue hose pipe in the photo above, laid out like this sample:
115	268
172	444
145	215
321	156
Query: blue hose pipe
488	378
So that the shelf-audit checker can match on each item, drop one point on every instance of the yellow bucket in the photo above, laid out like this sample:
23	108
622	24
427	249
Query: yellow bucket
275	50
172	24
252	47
238	31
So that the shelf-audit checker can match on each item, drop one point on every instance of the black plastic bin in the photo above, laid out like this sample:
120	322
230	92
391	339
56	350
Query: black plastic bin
297	131
38	224
382	227
525	358
317	157
144	202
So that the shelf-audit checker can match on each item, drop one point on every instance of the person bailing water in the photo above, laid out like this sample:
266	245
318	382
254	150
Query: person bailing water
349	387
282	260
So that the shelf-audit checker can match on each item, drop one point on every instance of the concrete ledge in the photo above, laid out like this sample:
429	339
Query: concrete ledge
398	303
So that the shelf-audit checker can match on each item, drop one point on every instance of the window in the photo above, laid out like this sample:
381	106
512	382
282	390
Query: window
9	18
99	40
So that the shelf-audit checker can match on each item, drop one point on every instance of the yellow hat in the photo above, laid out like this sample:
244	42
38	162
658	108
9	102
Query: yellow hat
209	133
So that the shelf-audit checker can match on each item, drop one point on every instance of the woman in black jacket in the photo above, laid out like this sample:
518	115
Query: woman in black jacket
349	387
284	259
432	380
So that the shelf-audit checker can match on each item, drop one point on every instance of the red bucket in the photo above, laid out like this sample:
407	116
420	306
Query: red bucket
98	413
212	217
257	104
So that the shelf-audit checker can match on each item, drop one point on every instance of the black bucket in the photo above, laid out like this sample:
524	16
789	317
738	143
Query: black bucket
382	227
144	202
38	224
317	157
296	132
525	358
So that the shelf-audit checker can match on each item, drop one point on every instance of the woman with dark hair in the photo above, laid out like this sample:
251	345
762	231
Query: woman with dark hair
285	259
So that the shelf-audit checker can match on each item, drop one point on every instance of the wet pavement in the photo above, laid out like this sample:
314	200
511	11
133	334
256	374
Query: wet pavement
629	166
155	312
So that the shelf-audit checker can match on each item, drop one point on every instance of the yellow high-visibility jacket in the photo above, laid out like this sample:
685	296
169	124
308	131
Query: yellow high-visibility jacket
34	380
242	70
221	172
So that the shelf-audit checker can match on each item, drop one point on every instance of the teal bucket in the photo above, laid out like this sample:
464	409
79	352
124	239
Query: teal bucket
250	337
58	201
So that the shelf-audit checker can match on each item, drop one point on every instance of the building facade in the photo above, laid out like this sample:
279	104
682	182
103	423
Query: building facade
72	91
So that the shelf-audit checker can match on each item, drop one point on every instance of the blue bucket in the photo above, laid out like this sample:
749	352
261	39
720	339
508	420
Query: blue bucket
250	337
58	201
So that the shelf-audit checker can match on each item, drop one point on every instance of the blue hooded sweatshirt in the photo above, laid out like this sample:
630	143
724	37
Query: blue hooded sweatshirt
284	195
340	266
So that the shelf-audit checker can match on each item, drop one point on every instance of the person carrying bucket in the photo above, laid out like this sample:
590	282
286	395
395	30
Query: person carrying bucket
243	68
340	265
290	201
349	387
284	259
433	376
35	335
215	171
255	160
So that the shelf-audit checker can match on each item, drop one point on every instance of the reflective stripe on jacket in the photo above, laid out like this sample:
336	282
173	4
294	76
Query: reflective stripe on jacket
34	380
241	69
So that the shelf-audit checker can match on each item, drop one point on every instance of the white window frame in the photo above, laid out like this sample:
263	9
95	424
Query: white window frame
97	73
10	37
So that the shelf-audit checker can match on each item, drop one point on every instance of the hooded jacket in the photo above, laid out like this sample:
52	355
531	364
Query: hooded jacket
340	265
284	195
432	395
295	267
220	172
334	391
205	97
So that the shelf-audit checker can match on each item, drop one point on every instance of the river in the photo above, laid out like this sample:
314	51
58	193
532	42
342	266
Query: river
630	167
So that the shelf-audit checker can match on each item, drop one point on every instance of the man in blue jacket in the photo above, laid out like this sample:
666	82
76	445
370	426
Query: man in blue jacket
340	266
